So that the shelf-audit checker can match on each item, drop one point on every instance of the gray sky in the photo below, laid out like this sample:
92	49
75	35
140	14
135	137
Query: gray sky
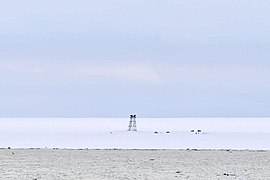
154	58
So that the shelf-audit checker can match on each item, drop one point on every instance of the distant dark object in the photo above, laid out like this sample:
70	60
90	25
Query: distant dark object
178	172
9	148
152	159
12	152
192	130
156	132
132	126
199	130
227	174
167	132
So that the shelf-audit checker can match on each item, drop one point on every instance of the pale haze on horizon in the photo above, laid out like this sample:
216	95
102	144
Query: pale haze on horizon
157	58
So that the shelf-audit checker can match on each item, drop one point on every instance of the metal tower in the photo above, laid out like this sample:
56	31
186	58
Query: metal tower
132	126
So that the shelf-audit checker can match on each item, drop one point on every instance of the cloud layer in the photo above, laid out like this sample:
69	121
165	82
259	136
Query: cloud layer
141	73
153	58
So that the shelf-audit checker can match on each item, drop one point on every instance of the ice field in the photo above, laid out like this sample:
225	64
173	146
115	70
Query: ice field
109	133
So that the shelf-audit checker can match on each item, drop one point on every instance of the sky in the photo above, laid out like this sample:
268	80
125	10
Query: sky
153	58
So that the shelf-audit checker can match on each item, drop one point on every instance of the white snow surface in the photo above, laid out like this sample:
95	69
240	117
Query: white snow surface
109	133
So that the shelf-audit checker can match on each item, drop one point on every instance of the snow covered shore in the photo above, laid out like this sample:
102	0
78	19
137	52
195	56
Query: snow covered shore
64	164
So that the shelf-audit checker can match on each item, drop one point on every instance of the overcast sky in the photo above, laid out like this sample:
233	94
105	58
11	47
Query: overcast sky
154	58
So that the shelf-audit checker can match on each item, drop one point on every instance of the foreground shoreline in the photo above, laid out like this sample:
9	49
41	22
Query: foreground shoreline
136	149
88	164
